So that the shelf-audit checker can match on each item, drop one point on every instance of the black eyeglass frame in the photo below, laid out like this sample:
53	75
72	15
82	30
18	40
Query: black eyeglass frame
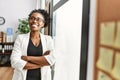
37	19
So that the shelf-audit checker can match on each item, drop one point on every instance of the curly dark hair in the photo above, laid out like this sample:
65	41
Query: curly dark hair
45	15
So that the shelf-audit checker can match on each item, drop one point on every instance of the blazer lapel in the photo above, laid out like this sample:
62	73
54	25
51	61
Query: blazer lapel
43	41
25	43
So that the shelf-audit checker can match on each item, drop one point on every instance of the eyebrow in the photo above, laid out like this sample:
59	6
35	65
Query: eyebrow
37	17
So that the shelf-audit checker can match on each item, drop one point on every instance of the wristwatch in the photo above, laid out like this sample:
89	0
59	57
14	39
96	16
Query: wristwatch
2	20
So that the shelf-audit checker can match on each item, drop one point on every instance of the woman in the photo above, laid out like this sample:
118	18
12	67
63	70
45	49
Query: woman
32	54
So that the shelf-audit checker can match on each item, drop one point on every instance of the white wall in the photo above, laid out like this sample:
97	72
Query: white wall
12	10
90	67
68	40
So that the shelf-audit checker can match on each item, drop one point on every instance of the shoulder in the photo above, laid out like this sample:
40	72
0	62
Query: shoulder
46	36
21	36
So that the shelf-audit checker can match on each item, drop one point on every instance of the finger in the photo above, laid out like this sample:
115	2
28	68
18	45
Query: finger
47	52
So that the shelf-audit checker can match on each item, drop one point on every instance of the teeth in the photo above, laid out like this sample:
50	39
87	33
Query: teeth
34	25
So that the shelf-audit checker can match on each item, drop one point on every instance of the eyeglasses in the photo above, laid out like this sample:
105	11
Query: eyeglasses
37	19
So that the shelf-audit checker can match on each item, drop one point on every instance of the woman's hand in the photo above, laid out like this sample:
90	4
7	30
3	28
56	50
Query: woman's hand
47	52
39	60
24	58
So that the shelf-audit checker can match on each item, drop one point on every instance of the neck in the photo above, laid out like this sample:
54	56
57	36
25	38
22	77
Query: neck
35	34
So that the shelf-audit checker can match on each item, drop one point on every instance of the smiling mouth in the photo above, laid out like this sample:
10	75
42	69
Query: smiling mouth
35	26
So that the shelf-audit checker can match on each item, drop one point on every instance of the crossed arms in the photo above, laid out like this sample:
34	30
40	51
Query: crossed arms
34	62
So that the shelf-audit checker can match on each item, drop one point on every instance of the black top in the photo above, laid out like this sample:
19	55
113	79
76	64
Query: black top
34	74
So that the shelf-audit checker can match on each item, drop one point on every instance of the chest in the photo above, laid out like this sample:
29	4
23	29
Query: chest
33	50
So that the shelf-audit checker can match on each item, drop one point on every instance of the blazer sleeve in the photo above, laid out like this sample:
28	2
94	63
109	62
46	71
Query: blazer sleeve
50	46
16	61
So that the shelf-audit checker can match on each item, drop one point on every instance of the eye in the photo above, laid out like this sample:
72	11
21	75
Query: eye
37	19
32	18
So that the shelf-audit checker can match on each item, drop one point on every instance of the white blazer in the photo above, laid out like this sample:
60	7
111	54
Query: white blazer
20	48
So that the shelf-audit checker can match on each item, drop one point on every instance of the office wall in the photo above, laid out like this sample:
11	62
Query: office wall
68	40
12	10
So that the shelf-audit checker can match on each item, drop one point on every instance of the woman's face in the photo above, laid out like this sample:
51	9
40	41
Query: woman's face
36	21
